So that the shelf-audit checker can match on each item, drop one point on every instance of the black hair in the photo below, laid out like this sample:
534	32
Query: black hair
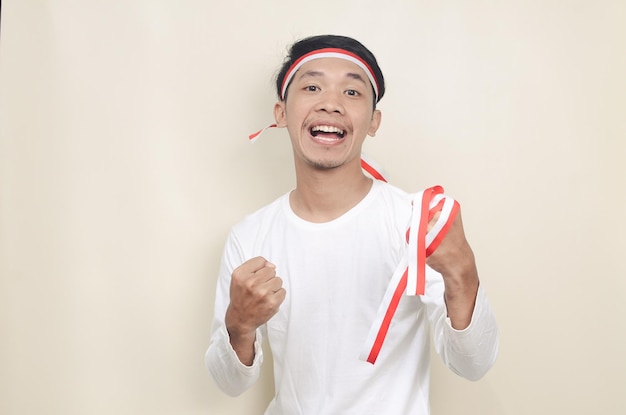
312	43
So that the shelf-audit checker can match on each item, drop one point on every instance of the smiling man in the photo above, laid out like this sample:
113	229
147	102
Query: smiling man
321	272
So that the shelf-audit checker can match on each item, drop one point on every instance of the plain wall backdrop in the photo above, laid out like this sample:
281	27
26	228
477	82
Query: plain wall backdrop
124	162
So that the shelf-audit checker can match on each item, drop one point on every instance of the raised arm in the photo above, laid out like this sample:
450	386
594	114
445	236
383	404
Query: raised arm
235	355
466	333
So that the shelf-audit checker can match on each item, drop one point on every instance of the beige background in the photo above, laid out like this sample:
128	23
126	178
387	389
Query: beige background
124	161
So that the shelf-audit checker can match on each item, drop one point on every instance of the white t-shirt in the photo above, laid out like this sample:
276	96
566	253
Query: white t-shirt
335	274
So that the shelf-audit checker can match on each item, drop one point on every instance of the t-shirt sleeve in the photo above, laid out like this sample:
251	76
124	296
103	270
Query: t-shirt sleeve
470	352
232	376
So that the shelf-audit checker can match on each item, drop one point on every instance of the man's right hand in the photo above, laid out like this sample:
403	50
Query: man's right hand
256	294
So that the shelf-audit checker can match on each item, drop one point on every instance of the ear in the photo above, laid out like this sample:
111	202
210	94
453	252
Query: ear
374	123
280	114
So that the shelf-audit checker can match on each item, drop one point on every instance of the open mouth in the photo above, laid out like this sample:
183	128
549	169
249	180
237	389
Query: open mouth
327	132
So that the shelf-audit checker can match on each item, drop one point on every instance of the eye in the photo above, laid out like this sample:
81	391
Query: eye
311	88
352	92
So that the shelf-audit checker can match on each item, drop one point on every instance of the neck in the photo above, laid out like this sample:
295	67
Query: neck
324	195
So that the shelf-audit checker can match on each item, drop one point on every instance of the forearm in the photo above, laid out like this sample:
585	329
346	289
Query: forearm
472	351
241	340
223	362
461	288
466	334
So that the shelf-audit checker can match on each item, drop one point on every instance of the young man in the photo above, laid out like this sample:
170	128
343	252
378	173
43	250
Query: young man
319	272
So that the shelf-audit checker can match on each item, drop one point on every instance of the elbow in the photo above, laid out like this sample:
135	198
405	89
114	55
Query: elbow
224	382
229	390
475	369
473	372
228	378
477	374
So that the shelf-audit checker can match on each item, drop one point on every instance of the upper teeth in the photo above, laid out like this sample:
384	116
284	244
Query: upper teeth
327	129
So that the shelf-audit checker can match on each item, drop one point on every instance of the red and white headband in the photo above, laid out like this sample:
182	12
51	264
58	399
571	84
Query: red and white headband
328	53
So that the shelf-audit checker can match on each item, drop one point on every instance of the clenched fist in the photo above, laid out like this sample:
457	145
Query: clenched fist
256	294
453	255
454	260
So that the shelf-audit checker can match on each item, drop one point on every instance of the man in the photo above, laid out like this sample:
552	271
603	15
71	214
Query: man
317	270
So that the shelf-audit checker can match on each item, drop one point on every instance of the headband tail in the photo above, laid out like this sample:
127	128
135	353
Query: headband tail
255	136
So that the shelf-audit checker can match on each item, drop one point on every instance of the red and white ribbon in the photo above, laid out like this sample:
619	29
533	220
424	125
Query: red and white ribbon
410	275
373	168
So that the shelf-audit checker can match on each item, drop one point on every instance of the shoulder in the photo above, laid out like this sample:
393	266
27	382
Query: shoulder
260	219
391	195
391	190
245	235
392	203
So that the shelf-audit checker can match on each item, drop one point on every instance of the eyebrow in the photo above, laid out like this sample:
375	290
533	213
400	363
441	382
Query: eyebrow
357	77
351	75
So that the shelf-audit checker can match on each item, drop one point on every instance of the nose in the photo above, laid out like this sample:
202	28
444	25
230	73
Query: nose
330	102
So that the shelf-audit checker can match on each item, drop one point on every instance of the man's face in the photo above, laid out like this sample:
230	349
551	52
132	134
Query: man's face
328	113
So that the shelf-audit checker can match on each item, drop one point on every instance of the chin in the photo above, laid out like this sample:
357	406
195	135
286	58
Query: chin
324	164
